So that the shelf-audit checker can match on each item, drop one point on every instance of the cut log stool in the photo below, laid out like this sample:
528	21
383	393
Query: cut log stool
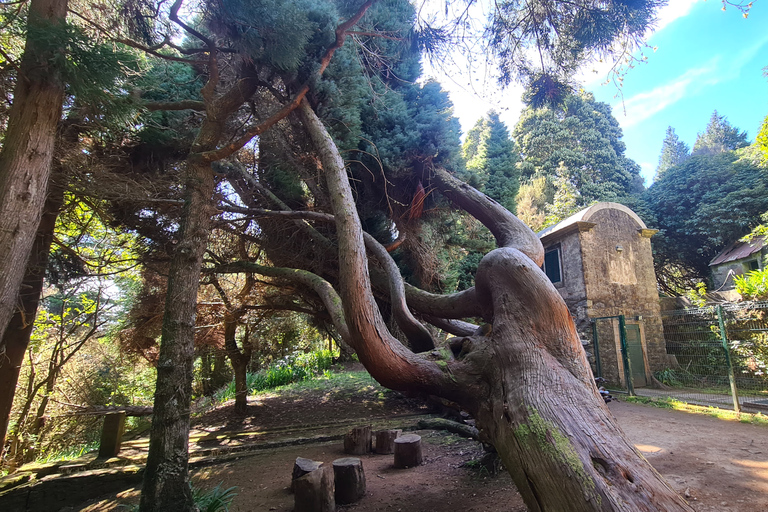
385	441
358	441
303	466
314	491
349	480
408	451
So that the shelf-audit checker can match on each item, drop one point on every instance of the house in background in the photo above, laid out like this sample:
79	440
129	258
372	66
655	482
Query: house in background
600	261
735	260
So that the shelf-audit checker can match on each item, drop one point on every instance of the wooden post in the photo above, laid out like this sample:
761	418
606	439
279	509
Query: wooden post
314	492
358	441
303	466
349	480
111	435
385	441
408	451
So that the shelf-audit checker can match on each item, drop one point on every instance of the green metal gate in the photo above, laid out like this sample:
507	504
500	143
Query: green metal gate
619	352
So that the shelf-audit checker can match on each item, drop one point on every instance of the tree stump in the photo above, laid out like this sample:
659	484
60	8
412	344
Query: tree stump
408	451
349	480
358	441
314	492
385	441
303	466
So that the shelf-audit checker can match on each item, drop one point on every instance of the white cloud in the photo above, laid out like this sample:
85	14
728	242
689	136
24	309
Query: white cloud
647	104
718	69
673	10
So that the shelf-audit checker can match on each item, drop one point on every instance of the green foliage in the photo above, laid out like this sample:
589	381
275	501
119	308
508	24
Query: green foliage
698	295
719	137
532	200
577	149
165	133
761	142
491	160
213	500
68	453
701	206
467	269
673	152
93	73
669	377
562	35
752	285
295	368
279	33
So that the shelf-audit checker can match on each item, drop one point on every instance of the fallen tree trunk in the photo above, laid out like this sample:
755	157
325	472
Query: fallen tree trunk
129	410
450	426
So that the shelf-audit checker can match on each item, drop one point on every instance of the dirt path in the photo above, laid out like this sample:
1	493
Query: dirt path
719	465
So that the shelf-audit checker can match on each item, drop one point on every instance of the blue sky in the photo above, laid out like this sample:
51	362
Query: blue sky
705	60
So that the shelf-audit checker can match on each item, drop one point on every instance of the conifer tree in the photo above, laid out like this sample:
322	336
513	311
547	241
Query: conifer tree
577	145
719	137
673	152
491	160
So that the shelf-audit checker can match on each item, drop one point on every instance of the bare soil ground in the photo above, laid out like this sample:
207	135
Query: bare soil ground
718	465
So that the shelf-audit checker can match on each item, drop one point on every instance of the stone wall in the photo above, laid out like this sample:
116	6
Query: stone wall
620	278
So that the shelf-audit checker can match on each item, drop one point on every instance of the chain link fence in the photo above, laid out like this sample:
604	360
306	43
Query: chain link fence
716	356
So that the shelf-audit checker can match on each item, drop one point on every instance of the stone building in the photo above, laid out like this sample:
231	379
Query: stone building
601	263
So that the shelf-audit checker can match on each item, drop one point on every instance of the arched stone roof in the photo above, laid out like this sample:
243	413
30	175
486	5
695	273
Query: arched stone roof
586	214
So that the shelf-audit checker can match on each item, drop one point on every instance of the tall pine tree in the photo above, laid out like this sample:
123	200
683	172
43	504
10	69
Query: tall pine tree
719	137
491	160
673	152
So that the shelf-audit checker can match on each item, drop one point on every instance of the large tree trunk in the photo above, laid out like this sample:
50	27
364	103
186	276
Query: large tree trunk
166	481
527	382
541	410
16	338
25	159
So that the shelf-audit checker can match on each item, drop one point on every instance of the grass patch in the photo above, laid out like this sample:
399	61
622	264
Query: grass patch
715	412
212	500
69	453
294	368
341	385
443	438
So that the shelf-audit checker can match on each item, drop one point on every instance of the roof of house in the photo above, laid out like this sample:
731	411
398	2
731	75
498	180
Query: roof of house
587	213
739	250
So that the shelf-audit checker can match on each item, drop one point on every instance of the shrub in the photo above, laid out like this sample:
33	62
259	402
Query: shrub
752	285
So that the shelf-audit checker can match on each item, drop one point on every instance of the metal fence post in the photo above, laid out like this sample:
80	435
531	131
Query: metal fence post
625	356
726	348
596	344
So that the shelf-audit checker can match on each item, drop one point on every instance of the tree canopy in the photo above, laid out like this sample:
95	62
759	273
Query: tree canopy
577	148
491	160
718	137
673	152
291	140
701	206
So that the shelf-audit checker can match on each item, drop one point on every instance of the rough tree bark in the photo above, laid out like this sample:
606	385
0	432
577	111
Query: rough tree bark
562	447
25	159
17	335
166	481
